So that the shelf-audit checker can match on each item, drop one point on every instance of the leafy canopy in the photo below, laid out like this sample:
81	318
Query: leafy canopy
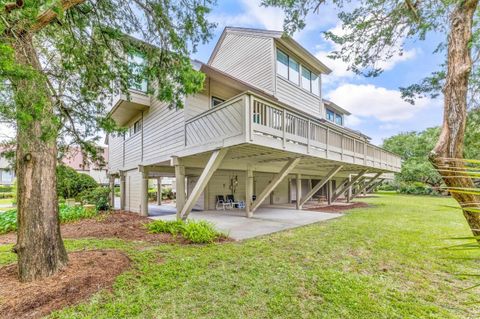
85	49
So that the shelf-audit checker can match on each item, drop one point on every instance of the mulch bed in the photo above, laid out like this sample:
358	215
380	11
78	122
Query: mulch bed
87	273
338	208
117	224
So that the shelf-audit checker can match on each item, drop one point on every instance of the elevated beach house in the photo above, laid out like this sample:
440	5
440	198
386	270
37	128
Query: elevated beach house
259	133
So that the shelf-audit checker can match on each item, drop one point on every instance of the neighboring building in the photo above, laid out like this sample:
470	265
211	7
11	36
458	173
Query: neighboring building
75	159
259	130
7	175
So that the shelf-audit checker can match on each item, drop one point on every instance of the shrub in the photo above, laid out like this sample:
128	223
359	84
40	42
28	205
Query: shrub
417	188
6	189
167	193
70	183
152	194
98	196
8	219
199	232
6	195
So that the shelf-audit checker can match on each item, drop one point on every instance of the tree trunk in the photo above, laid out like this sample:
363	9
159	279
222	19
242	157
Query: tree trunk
447	154
40	248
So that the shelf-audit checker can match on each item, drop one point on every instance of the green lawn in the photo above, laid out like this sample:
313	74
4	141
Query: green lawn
384	261
5	201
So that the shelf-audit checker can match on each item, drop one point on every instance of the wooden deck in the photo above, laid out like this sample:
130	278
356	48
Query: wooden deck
249	118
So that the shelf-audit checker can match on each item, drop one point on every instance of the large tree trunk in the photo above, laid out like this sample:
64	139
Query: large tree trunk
449	149
40	248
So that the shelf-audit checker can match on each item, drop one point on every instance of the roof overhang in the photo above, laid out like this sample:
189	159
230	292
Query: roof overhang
335	107
128	107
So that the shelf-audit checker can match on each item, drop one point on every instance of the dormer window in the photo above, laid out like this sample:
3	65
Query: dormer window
289	68
334	117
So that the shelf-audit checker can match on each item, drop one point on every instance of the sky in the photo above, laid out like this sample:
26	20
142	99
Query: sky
375	103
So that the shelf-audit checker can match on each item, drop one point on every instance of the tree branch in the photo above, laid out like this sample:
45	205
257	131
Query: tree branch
49	15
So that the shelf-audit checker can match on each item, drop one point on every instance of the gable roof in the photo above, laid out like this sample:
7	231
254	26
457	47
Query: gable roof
286	40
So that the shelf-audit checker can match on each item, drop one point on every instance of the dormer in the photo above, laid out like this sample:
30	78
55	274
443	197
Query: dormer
335	113
274	63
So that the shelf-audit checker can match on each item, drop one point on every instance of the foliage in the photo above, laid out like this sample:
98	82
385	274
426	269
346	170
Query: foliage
98	196
8	219
167	193
6	195
200	232
70	183
79	77
417	188
6	189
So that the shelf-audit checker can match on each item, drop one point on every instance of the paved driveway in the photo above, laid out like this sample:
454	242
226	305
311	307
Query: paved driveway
264	221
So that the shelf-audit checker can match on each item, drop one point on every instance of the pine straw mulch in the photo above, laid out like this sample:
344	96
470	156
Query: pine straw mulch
116	224
338	207
87	273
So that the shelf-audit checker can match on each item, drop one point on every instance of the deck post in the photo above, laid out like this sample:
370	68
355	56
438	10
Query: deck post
122	190
179	185
350	190
144	194
286	169
159	191
329	192
349	183
320	184
111	180
212	165
298	191
248	191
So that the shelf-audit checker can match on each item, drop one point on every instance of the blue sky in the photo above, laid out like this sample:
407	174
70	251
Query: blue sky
375	103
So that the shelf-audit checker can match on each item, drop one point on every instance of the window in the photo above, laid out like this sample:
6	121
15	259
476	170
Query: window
306	79
334	117
315	84
338	119
137	126
293	71
137	65
216	101
289	68
282	64
330	115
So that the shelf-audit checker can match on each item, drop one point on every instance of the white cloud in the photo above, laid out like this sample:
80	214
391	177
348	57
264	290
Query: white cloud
367	100
352	120
340	68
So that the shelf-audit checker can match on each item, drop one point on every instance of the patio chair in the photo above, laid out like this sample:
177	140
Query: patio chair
222	203
231	200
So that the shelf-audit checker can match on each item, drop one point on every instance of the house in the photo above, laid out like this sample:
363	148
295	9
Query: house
7	175
260	130
75	159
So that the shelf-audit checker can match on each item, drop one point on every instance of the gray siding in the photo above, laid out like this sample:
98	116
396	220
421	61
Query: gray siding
248	58
163	131
133	180
293	95
115	153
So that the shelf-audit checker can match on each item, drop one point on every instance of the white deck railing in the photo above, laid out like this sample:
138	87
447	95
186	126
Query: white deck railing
265	122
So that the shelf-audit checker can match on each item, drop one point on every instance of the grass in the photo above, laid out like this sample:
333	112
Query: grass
5	201
384	261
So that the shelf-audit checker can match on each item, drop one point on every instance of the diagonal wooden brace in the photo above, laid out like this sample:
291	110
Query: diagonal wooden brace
344	188
317	187
286	169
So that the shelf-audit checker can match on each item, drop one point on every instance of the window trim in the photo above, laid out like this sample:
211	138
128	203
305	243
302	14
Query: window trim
335	114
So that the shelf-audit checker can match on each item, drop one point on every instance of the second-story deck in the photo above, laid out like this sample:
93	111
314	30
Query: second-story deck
250	118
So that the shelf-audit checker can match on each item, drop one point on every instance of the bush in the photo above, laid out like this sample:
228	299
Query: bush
70	183
8	219
6	189
98	196
152	194
6	195
167	193
199	232
417	188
